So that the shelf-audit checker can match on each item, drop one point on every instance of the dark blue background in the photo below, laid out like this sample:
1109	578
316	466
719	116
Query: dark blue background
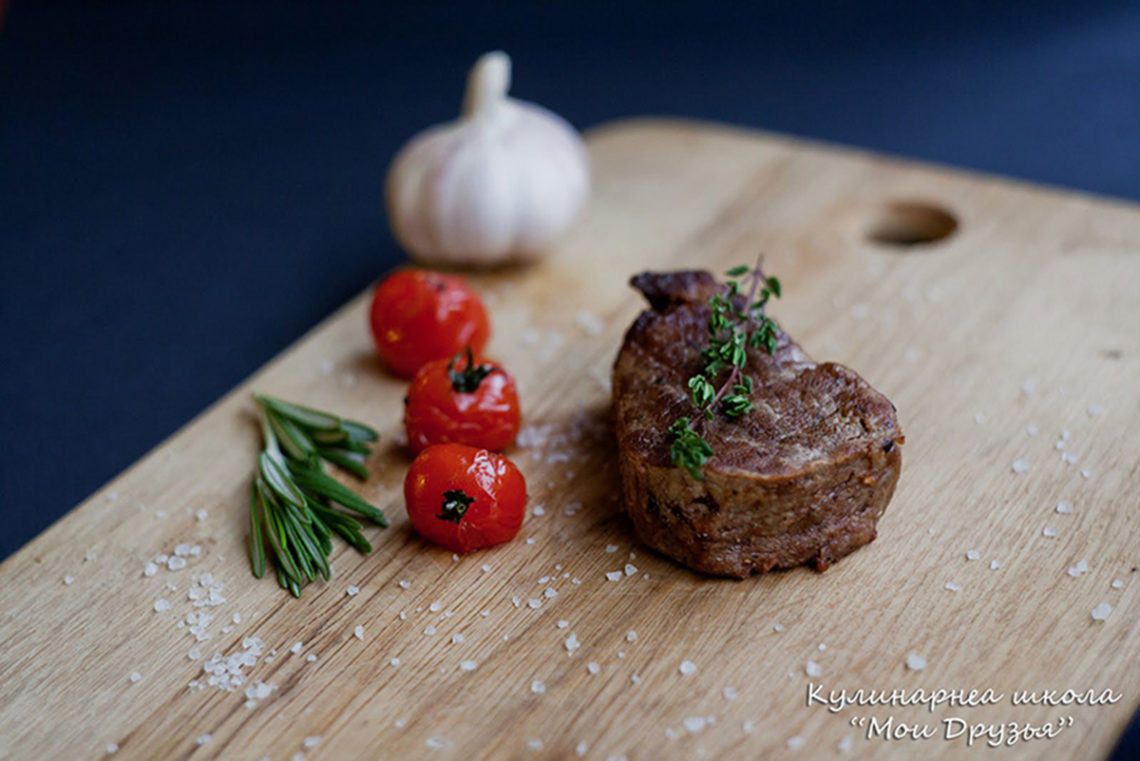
186	187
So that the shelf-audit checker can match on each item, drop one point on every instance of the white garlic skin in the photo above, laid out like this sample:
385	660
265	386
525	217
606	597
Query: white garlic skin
499	184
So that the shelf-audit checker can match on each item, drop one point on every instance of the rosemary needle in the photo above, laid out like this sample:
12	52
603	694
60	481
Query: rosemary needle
293	504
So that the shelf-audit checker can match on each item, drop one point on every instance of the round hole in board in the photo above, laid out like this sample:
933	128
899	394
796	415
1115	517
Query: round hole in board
906	224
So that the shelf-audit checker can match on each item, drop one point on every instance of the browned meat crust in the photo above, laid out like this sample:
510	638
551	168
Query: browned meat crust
803	478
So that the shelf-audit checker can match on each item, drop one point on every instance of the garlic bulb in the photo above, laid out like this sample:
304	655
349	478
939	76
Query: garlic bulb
501	183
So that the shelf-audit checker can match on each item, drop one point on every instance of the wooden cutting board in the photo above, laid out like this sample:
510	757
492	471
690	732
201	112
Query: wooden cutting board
1013	340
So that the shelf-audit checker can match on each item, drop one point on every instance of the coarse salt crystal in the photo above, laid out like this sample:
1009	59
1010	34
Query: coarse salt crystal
1117	584
436	607
112	748
1029	385
694	724
549	592
813	669
404	584
311	657
534	744
399	723
1068	458
1086	473
562	624
394	662
688	667
530	540
150	569
614	575
537	687
534	604
1101	612
746	727
205	739
1065	507
1020	466
69	580
161	605
437	743
176	563
972	555
995	564
1031	429
778	627
572	643
312	741
538	510
795	743
135	676
1049	531
593	668
581	748
979	417
1095	409
730	693
358	632
352	591
296	648
1081	567
589	322
953	587
631	636
630	569
611	548
844	745
429	630
915	662
468	665
201	515
194	653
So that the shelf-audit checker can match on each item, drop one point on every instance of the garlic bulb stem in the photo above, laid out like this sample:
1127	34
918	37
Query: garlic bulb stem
487	85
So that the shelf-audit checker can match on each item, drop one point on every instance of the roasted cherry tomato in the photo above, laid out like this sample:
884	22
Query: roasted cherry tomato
462	401
418	316
463	498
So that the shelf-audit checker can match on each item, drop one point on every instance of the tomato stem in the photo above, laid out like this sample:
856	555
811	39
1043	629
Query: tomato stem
455	504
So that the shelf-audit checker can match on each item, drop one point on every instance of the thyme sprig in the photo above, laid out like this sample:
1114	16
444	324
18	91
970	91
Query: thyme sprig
292	504
735	325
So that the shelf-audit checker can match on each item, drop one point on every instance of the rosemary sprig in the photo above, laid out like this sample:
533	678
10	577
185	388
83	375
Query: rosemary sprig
735	325
292	504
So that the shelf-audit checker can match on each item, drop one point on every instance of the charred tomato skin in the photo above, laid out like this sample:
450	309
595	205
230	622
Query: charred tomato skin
463	498
419	315
439	409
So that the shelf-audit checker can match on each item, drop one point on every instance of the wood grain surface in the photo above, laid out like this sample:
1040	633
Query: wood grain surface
1018	330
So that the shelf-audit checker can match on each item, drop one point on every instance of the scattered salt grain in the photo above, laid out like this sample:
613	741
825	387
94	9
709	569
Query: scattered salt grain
589	322
614	575
953	587
1028	386
205	739
394	662
630	569
1031	430
979	417
1101	612
296	648
1049	531
1065	507
1068	458
694	724
358	632
572	643
746	727
1117	584
593	668
995	564
201	515
534	603
537	687
468	665
549	593
1081	567
176	563
1086	473
399	723
813	670
972	555
161	605
631	636
730	693
352	591
194	653
581	748
538	510
915	662
69	580
429	630
150	569
112	749
135	676
1020	466
1095	409
778	627
530	540
688	667
611	548
795	743
437	743
844	745
312	741
436	607
404	584
311	657
534	744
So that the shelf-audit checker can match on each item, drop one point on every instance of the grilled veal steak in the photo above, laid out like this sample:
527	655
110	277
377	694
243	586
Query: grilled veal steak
802	478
